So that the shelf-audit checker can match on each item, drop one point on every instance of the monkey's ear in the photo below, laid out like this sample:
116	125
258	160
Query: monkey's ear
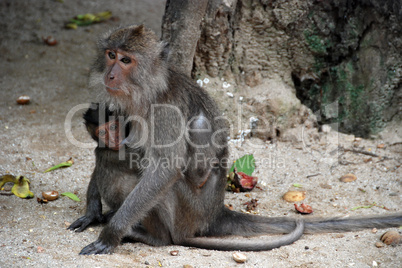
137	31
165	51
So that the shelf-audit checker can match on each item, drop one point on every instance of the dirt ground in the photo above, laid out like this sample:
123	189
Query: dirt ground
33	138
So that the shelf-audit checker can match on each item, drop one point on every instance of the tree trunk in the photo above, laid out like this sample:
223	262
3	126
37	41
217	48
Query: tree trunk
341	58
181	29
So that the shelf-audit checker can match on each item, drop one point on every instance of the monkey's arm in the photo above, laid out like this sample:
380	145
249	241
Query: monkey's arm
93	212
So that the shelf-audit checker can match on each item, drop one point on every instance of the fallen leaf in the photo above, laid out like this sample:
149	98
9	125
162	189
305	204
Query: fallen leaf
41	201
71	196
245	164
68	163
21	188
252	204
88	19
7	178
304	209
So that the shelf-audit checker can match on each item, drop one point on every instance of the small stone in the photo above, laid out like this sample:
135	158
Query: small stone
294	196
230	94
225	85
239	257
174	252
374	230
379	245
326	128
348	178
24	99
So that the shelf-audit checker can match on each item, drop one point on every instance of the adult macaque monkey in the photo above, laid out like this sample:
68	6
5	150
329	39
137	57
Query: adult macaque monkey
179	201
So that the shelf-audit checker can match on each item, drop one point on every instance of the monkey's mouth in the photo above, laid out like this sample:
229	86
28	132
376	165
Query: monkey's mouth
114	90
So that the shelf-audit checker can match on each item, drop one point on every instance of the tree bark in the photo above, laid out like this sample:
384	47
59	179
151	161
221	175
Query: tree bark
181	29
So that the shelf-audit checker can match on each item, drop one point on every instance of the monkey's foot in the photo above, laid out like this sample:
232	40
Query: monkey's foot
83	222
97	247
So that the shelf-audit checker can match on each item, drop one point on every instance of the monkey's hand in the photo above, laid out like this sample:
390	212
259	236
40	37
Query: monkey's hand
83	222
97	247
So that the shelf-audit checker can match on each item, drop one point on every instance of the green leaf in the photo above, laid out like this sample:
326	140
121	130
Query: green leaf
297	185
369	206
71	196
88	19
244	164
68	163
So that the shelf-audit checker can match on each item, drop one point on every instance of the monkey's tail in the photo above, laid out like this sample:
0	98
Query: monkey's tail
346	224
235	223
247	244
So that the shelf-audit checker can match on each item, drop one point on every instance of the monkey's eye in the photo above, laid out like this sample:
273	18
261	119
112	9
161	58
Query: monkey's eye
113	127
102	133
126	60
111	55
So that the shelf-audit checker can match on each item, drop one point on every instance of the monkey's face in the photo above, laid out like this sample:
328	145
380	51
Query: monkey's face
109	134
119	66
131	69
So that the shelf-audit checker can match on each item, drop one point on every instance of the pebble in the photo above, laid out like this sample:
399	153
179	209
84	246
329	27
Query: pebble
239	257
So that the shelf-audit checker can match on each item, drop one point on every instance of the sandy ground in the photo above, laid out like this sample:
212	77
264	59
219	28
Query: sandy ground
33	138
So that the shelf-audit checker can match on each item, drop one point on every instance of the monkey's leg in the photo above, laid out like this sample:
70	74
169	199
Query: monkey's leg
139	234
154	185
93	212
